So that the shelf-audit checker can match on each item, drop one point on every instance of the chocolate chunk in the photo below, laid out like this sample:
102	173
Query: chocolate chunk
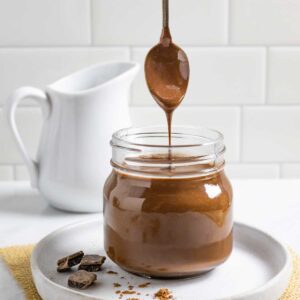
92	263
63	267
81	279
64	264
116	284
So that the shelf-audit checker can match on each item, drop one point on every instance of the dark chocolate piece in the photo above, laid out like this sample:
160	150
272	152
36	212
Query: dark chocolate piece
92	263
63	267
64	264
81	279
116	284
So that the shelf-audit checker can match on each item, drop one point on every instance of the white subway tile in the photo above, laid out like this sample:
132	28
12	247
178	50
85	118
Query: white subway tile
39	67
284	75
131	22
290	170
265	22
218	76
271	134
224	119
249	171
6	173
145	116
22	173
47	22
29	122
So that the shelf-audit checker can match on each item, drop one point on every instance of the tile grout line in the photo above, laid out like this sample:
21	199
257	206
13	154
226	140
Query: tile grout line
267	75
91	23
228	37
204	105
95	45
131	88
14	172
259	163
12	164
241	134
231	105
280	170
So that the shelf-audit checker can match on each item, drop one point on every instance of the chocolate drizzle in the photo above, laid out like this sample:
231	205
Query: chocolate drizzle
167	72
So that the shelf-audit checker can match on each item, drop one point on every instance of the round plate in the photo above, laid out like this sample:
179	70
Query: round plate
259	268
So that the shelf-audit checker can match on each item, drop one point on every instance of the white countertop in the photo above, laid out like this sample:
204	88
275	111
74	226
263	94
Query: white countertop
271	205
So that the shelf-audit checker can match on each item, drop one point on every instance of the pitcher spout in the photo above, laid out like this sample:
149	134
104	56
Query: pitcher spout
96	77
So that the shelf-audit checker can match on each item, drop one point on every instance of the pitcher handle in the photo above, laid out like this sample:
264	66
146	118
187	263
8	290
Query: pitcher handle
10	109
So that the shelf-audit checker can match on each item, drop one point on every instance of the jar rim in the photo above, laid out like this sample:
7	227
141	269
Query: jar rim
145	150
127	137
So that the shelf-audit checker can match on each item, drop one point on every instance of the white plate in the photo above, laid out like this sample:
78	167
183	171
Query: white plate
258	269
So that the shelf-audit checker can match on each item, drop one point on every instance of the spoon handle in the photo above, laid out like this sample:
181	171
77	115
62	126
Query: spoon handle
166	13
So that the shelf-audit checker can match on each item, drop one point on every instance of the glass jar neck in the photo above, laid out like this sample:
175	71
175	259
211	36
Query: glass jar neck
144	152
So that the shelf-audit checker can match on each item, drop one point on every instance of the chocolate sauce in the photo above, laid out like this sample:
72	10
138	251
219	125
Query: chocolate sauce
168	227
167	71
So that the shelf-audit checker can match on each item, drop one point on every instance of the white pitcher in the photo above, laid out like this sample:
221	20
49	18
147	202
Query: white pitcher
81	111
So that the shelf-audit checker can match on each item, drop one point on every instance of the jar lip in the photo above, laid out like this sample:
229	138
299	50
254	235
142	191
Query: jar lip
205	136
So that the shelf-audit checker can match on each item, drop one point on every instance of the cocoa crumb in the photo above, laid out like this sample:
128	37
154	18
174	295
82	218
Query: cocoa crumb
116	284
112	272
127	292
118	292
163	294
123	277
143	285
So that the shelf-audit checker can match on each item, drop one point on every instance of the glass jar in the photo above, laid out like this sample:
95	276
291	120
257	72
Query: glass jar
167	210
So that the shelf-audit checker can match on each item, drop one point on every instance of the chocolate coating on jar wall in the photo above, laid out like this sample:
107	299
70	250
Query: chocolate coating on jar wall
168	227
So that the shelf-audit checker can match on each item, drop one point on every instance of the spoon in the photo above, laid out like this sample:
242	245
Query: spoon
167	71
